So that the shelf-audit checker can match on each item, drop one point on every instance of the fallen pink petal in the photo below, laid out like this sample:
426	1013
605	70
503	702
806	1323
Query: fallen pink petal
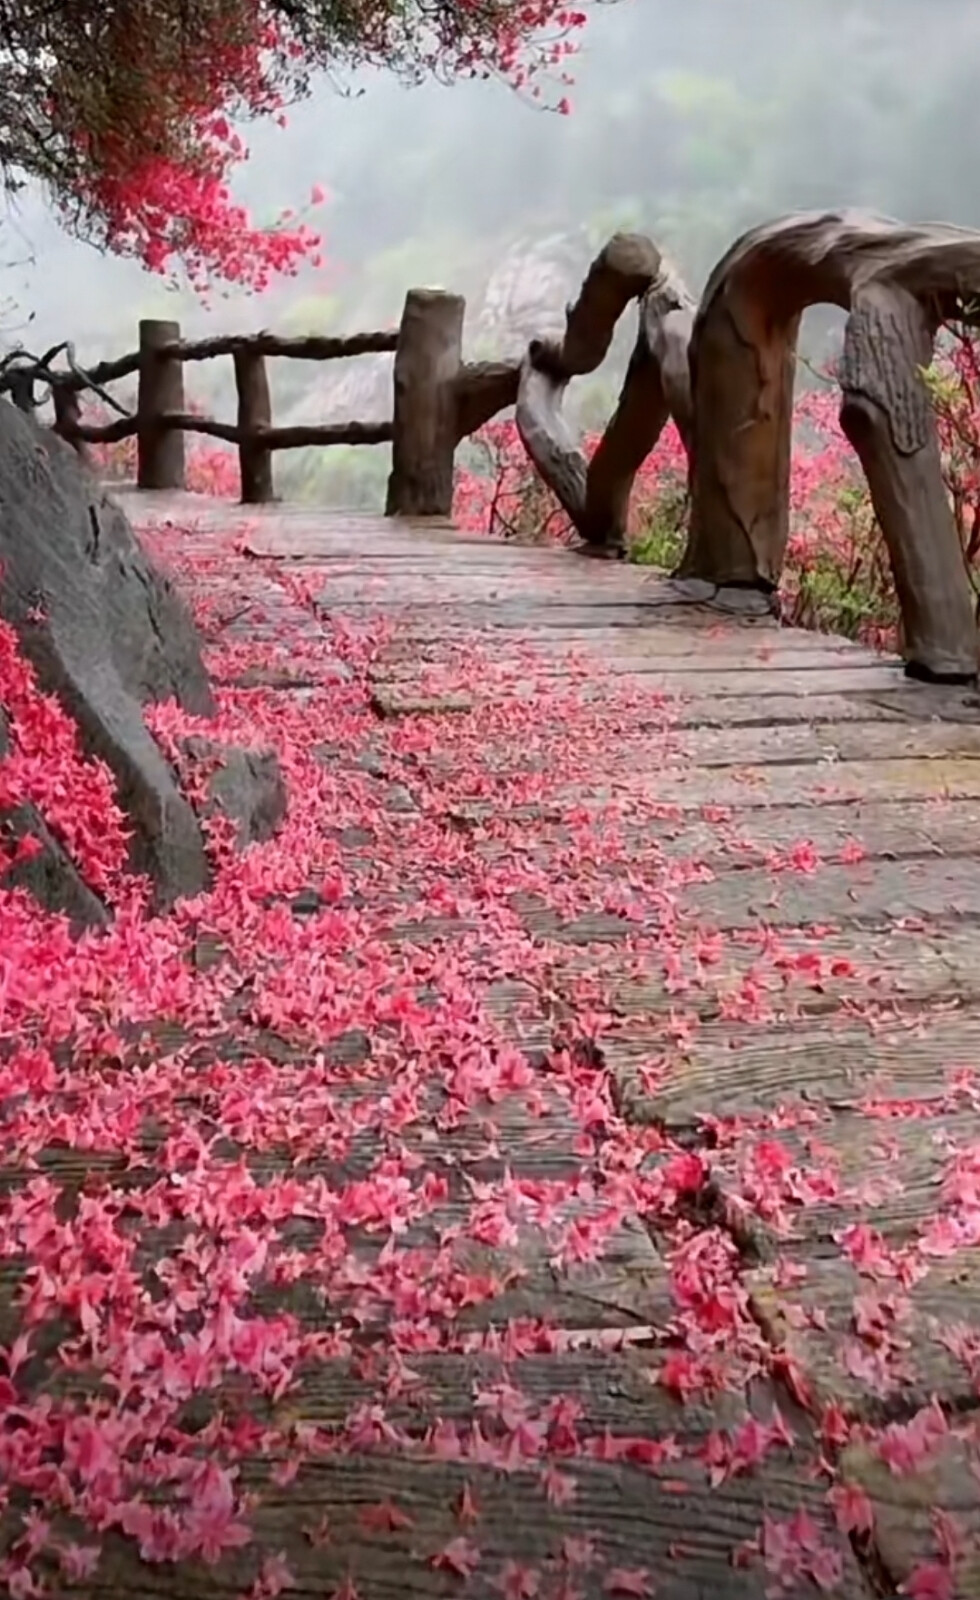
536	1149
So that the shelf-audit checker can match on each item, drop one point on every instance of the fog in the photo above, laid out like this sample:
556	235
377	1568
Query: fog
693	120
690	121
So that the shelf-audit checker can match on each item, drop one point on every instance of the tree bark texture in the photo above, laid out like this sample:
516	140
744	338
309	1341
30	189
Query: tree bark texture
160	453
427	367
254	414
897	284
887	416
482	389
67	420
596	495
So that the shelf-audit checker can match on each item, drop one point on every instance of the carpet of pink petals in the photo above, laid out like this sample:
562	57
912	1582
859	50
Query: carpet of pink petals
220	1174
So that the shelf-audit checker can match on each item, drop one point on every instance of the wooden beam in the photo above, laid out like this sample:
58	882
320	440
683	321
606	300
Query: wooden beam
160	459
427	365
307	347
323	433
67	417
482	389
254	419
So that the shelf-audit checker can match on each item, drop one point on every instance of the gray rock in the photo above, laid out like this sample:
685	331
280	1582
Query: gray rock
307	903
528	290
107	633
693	591
373	764
745	602
735	601
246	785
150	633
104	631
399	799
50	876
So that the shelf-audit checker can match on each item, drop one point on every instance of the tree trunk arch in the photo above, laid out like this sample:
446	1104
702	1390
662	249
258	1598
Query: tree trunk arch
897	284
595	494
725	373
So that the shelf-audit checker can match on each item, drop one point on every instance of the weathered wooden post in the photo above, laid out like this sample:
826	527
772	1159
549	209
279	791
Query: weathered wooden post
67	417
254	414
427	363
160	450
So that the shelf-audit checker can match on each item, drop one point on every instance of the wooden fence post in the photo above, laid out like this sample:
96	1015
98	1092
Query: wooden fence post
427	363
160	452
254	412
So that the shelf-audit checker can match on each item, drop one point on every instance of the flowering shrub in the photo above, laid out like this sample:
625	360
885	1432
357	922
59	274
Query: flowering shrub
498	492
127	112
837	576
213	469
954	384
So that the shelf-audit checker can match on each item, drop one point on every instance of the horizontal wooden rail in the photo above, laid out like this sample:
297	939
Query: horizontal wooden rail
482	389
438	400
102	373
308	347
296	438
92	433
686	362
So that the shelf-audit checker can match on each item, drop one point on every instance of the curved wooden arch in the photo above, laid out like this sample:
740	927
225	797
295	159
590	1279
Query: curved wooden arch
898	285
596	494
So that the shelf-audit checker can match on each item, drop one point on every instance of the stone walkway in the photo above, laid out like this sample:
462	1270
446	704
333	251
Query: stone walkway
579	1167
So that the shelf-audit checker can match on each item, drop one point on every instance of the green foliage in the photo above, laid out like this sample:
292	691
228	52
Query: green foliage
662	529
831	598
941	384
352	476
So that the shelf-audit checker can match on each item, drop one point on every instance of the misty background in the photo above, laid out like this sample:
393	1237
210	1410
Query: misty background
690	122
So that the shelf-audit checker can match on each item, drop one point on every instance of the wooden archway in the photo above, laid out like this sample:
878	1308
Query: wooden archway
898	284
595	493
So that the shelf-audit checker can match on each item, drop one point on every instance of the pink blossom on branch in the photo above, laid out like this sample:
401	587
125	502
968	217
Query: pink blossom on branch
143	100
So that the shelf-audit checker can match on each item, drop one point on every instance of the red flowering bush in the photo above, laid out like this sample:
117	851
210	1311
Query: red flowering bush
213	469
837	577
148	145
954	383
498	492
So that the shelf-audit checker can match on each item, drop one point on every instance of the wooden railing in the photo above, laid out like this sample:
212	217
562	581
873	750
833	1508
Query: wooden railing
723	370
437	400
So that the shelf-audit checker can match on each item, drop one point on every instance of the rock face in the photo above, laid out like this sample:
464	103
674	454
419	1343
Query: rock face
522	296
527	292
244	785
106	633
